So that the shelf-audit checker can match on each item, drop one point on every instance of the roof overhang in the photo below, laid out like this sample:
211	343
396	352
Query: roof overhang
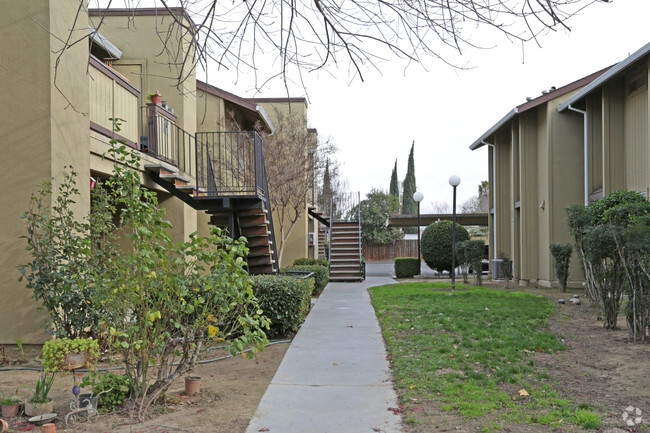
106	45
505	119
611	73
253	109
467	219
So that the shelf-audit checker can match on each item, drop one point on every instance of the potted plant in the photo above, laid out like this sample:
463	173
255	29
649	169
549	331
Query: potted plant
40	403
10	405
70	354
155	98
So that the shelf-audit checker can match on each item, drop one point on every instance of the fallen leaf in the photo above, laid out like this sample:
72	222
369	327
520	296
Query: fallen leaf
523	392
264	429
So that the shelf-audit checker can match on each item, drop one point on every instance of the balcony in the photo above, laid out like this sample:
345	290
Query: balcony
112	96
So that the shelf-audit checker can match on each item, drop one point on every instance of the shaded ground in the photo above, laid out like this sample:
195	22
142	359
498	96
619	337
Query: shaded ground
599	367
231	390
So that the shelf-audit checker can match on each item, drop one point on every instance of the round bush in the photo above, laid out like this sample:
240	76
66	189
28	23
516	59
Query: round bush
435	244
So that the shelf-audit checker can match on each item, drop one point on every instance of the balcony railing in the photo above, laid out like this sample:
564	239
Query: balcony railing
230	163
164	140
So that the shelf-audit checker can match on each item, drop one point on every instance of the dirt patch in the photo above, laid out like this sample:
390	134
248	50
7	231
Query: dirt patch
600	367
231	390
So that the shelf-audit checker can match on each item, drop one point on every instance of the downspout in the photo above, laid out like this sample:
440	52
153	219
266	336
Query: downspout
586	151
493	188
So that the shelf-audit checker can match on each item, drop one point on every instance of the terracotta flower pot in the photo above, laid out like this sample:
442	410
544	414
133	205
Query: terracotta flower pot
10	410
48	428
3	426
156	99
192	385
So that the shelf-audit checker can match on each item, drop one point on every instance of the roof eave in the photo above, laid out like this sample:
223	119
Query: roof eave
505	119
612	72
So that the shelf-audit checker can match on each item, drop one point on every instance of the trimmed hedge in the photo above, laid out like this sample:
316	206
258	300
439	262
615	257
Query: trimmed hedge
284	300
306	261
321	276
406	267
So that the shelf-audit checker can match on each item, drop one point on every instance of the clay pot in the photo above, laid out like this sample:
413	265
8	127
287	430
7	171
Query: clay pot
10	410
3	426
48	428
74	360
156	99
34	409
192	385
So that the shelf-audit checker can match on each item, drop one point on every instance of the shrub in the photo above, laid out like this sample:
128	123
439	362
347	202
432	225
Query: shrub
284	300
113	389
562	256
505	265
307	261
470	254
436	244
321	276
406	267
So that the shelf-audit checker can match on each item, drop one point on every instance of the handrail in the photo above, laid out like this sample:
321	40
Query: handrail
259	156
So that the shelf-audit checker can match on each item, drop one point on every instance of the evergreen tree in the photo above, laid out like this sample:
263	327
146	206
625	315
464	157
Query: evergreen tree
409	206
326	194
394	186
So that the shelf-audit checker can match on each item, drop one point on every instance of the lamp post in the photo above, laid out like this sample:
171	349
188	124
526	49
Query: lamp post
418	197
454	181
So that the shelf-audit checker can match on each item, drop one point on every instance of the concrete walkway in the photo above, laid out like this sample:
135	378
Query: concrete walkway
334	377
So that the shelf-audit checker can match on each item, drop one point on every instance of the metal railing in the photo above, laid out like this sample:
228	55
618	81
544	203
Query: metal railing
230	163
164	140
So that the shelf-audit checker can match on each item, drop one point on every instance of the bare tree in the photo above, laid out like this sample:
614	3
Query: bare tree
280	38
441	207
289	161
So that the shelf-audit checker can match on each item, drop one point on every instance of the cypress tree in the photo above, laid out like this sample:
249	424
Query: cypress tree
394	186
409	206
326	195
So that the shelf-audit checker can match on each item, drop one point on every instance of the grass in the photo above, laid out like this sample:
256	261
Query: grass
471	351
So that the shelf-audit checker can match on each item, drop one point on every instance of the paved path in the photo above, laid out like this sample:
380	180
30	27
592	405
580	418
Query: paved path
334	377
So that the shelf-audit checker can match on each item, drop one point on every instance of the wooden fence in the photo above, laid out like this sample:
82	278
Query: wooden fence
387	253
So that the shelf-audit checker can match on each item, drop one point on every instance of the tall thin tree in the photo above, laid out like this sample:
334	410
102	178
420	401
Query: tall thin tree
409	206
394	185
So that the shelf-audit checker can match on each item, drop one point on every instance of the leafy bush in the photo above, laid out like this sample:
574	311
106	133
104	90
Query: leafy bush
470	254
562	256
436	243
321	276
307	261
406	267
284	300
60	274
599	234
113	389
505	266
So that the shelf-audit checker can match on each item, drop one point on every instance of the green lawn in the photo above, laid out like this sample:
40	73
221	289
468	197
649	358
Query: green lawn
472	351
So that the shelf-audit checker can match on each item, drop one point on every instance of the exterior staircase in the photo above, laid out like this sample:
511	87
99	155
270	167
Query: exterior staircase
241	216
345	252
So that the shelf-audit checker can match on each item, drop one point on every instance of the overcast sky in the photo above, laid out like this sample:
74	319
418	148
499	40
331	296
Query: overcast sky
443	109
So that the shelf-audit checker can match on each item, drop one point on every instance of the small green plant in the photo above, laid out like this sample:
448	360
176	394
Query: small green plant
587	418
56	351
112	389
152	94
41	392
307	261
19	343
562	256
11	399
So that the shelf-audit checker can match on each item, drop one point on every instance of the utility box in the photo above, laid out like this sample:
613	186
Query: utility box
310	239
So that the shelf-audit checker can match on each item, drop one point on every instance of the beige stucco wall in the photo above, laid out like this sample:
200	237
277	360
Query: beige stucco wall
41	132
